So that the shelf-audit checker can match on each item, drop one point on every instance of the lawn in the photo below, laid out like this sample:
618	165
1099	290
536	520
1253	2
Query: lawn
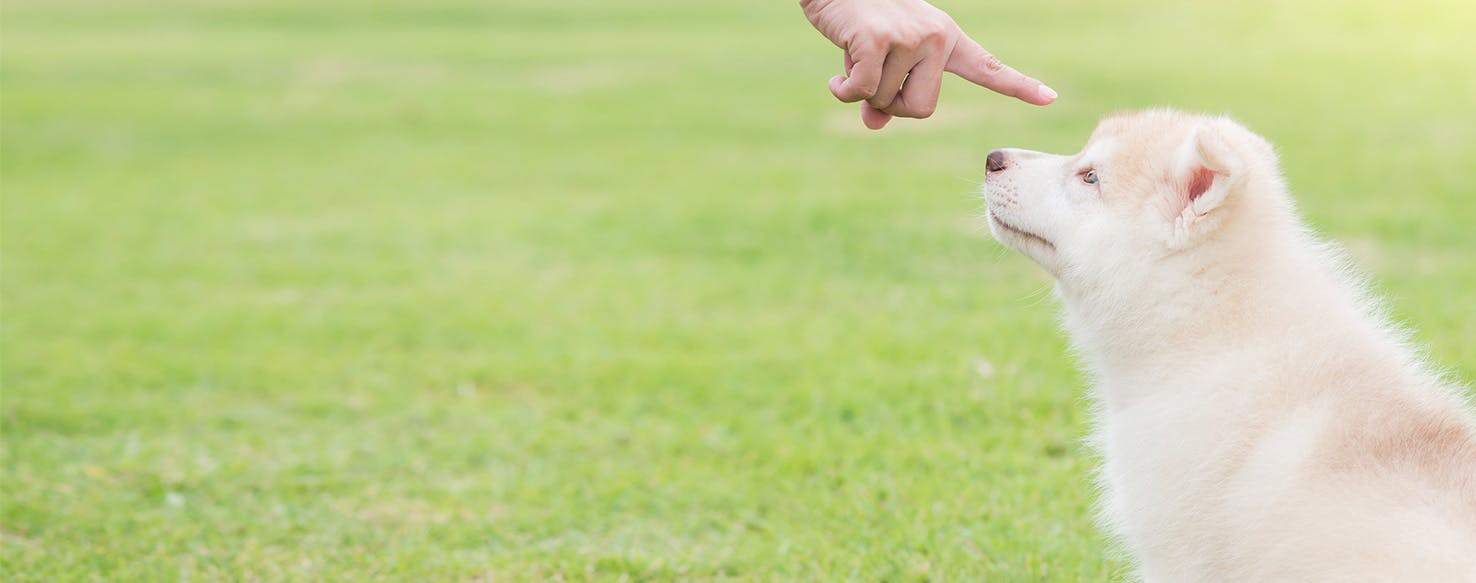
595	290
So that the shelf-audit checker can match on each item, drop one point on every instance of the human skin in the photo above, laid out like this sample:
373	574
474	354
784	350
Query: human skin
896	52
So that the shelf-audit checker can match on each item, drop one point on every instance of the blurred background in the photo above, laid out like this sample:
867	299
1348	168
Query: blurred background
596	290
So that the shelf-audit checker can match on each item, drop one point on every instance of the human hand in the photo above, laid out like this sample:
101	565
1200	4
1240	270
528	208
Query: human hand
896	52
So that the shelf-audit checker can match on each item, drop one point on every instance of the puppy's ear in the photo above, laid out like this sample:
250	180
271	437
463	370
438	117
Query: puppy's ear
1205	173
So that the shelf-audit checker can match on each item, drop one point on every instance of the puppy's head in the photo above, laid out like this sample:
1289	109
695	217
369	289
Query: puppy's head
1146	186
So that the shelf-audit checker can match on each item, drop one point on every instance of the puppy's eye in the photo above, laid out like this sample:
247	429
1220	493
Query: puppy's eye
1090	177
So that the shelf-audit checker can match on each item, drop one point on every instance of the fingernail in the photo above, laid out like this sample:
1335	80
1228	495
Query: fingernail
1046	93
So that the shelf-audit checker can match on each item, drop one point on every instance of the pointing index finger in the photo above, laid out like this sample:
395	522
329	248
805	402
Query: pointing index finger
970	61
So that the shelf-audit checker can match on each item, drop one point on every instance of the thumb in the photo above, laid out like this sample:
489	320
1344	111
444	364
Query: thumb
972	62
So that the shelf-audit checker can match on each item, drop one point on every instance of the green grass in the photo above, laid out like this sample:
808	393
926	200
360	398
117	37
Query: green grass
579	290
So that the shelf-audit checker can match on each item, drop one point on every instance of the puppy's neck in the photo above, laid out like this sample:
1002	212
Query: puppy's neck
1156	325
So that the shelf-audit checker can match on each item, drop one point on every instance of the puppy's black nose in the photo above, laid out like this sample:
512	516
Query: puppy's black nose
995	162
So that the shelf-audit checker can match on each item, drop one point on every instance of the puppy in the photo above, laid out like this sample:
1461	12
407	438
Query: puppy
1257	416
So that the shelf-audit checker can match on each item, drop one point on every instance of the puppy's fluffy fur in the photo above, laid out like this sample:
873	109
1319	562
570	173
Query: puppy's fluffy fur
1259	419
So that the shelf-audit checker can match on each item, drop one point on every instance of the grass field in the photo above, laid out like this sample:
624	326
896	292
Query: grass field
528	290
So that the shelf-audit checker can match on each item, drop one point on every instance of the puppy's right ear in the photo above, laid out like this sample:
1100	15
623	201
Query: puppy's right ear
1205	174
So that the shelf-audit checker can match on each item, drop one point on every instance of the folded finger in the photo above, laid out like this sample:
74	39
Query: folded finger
919	95
863	75
894	73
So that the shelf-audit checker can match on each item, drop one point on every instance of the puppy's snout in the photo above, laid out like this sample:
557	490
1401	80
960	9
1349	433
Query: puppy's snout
995	162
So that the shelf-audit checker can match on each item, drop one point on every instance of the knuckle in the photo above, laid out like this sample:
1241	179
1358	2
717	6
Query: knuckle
939	27
909	39
889	38
899	111
865	44
918	111
992	64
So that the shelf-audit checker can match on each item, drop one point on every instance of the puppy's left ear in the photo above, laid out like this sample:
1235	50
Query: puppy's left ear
1206	172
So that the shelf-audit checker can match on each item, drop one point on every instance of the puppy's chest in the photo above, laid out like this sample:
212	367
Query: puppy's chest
1165	457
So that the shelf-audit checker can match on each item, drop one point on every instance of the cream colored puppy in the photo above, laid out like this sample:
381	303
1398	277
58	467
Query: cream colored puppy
1259	418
